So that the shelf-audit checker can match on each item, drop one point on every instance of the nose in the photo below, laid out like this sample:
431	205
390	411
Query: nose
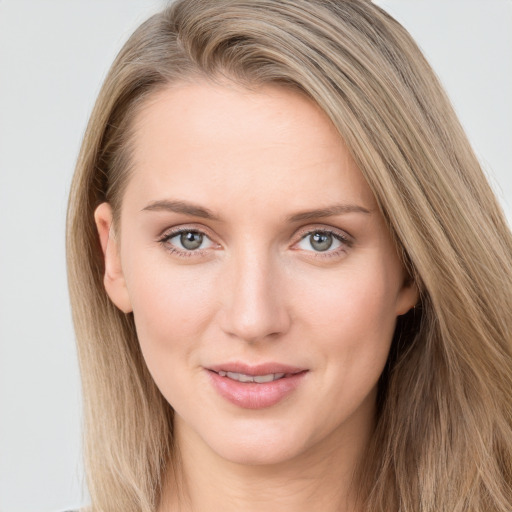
255	306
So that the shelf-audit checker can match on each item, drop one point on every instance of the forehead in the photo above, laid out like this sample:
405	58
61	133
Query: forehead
238	142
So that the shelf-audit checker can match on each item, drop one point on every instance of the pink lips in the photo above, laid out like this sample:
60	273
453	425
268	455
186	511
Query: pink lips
253	395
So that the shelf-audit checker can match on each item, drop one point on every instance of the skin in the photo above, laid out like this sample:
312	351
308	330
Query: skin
257	290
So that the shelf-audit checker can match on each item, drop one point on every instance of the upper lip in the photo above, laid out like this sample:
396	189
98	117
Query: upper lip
258	369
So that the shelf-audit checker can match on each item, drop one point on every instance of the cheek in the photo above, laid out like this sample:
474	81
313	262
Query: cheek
353	315
172	307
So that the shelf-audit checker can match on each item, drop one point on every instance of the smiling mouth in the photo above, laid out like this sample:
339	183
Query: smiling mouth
255	387
259	379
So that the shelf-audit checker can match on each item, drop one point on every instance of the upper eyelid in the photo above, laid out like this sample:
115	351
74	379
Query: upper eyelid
307	230
170	232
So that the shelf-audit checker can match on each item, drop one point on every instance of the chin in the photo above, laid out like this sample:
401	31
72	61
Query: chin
251	454
258	445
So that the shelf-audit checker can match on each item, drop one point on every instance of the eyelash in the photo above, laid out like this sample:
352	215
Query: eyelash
164	241
345	241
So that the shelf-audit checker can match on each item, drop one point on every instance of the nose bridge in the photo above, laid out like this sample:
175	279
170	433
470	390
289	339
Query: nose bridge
255	305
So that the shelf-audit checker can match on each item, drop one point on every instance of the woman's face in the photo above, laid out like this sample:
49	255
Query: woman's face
263	282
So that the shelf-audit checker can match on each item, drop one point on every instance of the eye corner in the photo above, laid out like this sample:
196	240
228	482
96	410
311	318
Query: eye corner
198	244
329	242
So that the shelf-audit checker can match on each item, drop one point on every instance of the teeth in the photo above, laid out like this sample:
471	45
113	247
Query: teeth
260	379
241	377
268	378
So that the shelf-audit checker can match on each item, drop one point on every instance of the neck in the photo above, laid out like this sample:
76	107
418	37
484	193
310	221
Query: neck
323	478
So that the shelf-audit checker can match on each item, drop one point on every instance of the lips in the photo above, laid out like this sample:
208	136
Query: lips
255	387
259	379
258	369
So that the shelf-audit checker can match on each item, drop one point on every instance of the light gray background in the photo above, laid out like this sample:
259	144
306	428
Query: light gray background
53	57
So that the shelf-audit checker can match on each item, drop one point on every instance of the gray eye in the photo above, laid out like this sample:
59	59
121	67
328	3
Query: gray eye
321	241
191	240
188	241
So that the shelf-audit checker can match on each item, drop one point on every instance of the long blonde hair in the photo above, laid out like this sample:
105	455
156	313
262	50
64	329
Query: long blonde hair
443	439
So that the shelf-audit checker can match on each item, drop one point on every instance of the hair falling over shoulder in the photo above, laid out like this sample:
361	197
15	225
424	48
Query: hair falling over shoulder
443	438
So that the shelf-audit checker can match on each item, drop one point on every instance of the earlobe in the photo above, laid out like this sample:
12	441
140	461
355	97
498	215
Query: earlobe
407	298
113	278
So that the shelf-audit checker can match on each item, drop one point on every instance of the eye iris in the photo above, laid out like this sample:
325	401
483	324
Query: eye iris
191	240
321	241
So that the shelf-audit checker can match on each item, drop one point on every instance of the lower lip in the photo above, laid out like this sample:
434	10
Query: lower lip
251	395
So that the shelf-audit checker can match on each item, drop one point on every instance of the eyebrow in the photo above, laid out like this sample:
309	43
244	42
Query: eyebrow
330	211
204	213
194	210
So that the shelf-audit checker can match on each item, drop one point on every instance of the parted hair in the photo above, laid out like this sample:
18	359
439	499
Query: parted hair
443	433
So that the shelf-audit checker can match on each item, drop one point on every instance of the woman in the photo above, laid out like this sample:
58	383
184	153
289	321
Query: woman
291	282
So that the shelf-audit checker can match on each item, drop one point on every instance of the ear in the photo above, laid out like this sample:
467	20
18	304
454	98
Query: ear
113	279
408	297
